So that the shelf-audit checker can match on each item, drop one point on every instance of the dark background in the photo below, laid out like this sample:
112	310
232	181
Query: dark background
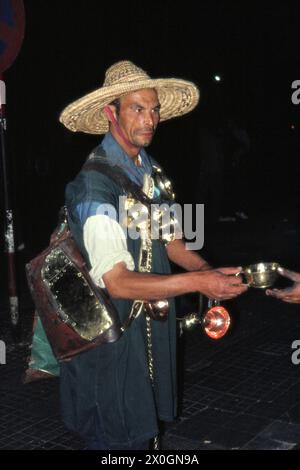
67	47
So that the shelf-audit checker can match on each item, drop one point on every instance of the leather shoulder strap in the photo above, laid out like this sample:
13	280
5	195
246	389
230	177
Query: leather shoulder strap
100	163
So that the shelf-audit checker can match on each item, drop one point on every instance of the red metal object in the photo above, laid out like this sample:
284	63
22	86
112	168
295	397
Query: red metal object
216	322
12	27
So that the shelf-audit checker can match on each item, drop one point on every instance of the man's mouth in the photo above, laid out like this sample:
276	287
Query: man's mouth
148	132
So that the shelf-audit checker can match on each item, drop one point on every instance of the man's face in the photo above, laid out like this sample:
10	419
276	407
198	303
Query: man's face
139	116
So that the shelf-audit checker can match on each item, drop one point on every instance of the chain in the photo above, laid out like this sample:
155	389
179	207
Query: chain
151	367
145	265
149	344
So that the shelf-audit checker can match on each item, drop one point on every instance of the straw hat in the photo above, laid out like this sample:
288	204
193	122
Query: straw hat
176	97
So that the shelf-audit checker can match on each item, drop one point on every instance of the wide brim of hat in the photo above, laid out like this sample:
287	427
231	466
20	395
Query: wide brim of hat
177	97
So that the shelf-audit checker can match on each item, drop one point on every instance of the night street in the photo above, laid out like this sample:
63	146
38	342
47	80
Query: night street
237	152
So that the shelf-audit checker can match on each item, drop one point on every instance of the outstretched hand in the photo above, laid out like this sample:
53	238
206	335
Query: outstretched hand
290	294
222	283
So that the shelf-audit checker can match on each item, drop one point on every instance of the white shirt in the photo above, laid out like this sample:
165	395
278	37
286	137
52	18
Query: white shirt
106	244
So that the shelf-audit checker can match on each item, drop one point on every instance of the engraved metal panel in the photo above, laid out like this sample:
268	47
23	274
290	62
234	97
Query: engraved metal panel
78	306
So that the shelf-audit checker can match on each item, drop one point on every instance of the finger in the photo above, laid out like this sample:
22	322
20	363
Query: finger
283	292
239	287
238	281
290	300
236	291
273	293
230	270
279	294
289	274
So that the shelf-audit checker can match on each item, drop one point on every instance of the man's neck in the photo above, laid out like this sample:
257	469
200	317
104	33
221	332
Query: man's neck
131	150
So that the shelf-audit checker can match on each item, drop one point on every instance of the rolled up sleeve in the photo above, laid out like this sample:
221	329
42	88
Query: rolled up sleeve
106	245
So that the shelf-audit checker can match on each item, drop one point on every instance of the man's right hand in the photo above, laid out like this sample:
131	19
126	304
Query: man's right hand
221	283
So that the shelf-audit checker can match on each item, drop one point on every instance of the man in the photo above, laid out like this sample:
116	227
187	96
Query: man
115	394
290	294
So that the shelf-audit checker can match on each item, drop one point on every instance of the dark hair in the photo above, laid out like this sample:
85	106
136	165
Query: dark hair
117	105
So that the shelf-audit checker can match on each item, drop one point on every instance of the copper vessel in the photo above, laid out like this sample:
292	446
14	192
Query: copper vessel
215	321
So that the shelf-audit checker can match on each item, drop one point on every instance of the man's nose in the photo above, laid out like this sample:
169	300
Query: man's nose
149	119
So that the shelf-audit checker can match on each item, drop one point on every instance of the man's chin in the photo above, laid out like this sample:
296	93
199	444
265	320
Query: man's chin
145	142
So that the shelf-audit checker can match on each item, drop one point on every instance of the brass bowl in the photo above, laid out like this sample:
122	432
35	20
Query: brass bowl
261	275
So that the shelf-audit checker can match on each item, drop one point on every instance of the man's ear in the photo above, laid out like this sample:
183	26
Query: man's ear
110	112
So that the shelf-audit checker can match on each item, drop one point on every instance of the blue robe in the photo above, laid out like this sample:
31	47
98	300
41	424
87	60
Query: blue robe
111	383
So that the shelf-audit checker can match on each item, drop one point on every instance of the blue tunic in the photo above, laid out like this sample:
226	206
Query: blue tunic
111	383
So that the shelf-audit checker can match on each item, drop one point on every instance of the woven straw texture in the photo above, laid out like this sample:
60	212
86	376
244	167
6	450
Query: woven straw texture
176	97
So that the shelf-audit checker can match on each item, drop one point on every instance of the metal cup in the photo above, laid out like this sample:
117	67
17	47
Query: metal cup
260	275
